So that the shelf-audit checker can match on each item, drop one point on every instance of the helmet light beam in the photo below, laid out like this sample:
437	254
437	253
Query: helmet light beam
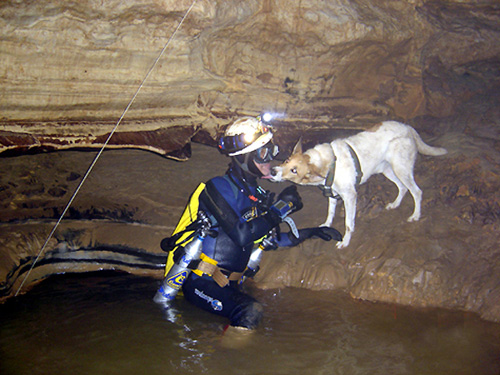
266	117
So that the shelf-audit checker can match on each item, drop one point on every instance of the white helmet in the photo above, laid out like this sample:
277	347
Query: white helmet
245	135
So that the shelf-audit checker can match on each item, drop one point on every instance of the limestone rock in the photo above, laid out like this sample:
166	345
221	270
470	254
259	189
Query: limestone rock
68	70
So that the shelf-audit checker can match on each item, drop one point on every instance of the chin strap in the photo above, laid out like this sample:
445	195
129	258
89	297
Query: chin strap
244	166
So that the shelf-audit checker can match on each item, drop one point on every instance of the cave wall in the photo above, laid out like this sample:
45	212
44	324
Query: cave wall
69	69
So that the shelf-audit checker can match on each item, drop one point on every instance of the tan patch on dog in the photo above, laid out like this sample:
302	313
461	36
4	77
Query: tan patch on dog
319	172
299	170
374	128
296	169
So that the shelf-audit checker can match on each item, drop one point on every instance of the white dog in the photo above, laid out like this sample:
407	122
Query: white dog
389	148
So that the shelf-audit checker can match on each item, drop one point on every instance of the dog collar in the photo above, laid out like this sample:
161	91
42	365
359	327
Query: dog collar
326	188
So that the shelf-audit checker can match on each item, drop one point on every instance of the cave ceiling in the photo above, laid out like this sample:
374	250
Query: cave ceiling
72	71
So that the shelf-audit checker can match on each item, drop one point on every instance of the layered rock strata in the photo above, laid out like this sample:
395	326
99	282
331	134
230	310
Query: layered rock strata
68	70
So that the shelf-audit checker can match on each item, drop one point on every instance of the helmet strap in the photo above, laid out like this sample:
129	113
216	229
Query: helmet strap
244	163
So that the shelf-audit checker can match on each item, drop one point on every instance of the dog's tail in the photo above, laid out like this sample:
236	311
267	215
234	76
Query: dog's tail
424	148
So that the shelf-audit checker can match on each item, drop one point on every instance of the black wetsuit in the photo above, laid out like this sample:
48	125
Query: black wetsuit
239	210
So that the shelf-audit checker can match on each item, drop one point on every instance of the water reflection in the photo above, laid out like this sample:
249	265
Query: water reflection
108	324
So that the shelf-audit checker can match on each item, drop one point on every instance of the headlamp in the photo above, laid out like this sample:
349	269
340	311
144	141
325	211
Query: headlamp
248	137
266	117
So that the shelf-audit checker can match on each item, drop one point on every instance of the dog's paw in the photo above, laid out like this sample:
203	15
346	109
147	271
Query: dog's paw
392	206
413	218
342	244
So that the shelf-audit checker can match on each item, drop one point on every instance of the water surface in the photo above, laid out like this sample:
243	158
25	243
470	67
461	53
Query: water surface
107	323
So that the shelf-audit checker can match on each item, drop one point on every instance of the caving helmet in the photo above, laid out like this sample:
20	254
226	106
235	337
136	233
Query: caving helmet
246	140
246	135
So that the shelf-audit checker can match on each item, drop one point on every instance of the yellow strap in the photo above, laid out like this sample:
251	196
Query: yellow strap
205	259
209	266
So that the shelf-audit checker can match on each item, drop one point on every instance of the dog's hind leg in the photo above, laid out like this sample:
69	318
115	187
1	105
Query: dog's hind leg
332	205
389	173
416	194
405	154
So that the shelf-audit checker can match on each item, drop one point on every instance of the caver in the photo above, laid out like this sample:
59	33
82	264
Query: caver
226	225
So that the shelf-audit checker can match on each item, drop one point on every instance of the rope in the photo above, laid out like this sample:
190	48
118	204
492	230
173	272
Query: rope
105	144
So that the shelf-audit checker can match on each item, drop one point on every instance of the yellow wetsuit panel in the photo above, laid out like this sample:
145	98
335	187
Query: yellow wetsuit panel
189	215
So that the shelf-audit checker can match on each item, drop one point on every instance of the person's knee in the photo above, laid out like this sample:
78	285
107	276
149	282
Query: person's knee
248	315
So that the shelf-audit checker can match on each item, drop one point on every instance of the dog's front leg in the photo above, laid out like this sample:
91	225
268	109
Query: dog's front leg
332	205
350	216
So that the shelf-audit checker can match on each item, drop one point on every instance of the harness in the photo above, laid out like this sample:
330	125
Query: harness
183	233
326	188
221	276
208	265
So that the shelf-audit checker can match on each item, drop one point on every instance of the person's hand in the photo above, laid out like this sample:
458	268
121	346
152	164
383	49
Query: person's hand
291	196
325	233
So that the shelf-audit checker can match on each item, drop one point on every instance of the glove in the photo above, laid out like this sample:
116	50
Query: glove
251	273
289	201
167	244
269	199
325	233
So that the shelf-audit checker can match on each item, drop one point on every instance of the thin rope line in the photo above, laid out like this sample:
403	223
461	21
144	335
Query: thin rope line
105	144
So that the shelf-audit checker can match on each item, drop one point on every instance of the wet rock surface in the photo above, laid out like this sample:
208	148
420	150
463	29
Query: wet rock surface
132	199
69	69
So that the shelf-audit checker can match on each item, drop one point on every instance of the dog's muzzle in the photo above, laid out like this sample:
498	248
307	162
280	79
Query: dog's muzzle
276	174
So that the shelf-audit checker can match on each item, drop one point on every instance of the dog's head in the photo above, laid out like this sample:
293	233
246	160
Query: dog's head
298	168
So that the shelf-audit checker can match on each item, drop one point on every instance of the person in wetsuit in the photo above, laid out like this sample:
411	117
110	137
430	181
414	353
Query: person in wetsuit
243	217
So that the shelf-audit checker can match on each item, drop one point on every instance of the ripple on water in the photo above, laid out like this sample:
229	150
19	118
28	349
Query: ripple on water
107	323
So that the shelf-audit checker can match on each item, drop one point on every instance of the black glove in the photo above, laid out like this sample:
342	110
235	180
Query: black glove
269	199
325	233
250	272
291	197
167	244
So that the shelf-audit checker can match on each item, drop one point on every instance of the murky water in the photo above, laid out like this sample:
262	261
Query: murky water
108	324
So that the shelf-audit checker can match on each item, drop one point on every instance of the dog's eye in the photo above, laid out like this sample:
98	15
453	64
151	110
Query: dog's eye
294	170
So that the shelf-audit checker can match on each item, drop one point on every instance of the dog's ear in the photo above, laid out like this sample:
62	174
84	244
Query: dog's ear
298	147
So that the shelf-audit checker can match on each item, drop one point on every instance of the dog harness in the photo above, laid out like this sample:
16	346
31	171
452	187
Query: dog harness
330	176
327	187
